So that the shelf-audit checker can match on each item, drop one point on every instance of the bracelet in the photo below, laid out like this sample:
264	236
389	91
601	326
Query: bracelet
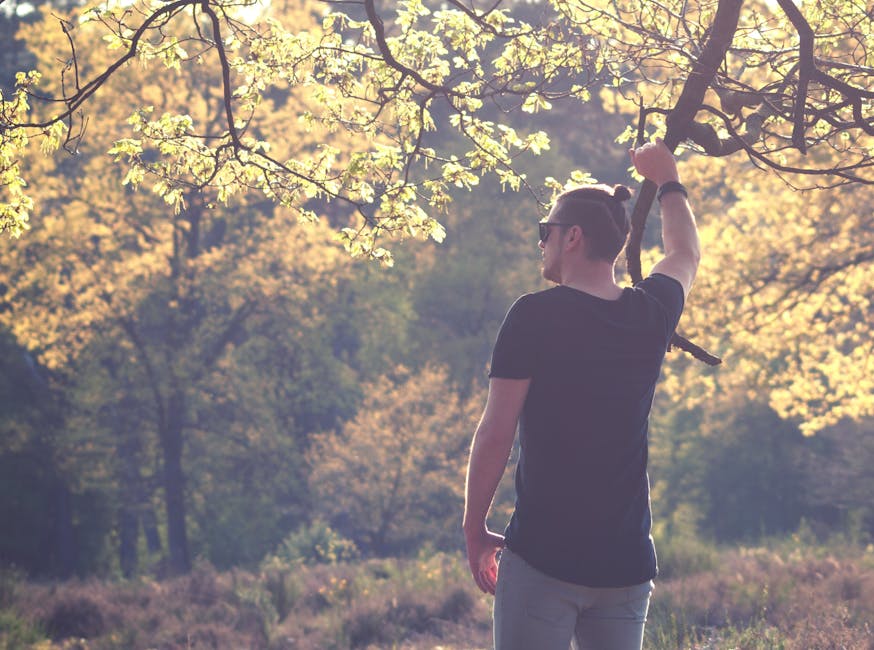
671	186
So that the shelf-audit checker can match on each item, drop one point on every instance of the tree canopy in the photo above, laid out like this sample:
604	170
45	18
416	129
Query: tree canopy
790	87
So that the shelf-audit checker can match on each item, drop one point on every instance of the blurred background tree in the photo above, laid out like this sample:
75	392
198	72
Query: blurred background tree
392	479
182	327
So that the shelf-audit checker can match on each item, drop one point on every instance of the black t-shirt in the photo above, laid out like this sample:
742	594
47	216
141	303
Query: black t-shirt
582	494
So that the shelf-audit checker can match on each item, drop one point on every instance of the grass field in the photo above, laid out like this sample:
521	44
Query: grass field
783	596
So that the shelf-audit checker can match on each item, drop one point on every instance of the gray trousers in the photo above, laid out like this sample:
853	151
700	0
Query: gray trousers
534	611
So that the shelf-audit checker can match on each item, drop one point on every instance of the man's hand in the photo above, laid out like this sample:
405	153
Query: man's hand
655	162
482	550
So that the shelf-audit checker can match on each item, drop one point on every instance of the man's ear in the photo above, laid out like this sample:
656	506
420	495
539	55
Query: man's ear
575	240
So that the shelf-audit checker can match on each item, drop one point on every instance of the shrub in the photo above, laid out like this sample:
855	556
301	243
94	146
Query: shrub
284	589
203	584
756	599
316	543
364	628
9	579
16	632
387	623
75	616
685	555
457	606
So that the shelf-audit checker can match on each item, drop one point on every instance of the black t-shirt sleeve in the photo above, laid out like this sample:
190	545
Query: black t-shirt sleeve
513	354
668	292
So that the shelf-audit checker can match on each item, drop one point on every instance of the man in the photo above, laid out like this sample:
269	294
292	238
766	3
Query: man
576	366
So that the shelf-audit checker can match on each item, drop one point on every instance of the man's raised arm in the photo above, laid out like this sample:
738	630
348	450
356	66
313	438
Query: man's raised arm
655	162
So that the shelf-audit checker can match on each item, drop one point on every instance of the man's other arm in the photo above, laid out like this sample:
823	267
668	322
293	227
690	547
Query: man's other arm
655	162
489	452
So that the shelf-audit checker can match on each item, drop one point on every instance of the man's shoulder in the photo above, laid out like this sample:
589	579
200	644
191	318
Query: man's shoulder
660	279
663	288
664	292
541	296
534	301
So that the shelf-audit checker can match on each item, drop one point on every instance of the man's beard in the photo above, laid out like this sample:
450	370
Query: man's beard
550	272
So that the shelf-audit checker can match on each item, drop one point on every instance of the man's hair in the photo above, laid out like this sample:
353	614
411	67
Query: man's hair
599	211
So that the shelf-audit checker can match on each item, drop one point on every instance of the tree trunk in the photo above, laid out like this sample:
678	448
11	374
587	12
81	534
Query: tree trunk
128	532
64	535
150	528
174	486
130	484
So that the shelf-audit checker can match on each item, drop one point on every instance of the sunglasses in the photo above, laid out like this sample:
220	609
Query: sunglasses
543	227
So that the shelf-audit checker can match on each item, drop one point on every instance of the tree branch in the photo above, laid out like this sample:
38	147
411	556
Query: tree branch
379	29
678	120
738	141
130	329
806	69
214	352
226	73
81	96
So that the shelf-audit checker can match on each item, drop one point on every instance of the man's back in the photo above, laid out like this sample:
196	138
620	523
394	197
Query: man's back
582	509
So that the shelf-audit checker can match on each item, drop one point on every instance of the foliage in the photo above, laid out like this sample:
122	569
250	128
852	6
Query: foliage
790	272
340	85
159	326
463	289
399	108
313	544
57	523
407	446
255	413
840	505
779	77
735	472
684	554
15	632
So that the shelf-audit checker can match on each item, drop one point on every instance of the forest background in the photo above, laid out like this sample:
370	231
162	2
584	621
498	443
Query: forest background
196	379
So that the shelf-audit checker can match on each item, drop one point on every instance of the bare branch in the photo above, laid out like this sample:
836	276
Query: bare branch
806	69
84	93
737	140
226	73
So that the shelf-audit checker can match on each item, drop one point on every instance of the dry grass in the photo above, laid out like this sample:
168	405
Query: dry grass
202	610
760	598
752	599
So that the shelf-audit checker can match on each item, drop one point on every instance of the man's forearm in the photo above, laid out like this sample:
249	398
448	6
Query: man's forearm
488	460
490	450
679	231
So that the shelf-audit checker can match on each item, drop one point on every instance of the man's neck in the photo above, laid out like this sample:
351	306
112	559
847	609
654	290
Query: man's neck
594	278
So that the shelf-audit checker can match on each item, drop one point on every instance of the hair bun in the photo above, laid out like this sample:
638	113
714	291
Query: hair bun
621	193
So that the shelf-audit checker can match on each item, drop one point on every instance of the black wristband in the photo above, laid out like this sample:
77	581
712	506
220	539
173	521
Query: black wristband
671	186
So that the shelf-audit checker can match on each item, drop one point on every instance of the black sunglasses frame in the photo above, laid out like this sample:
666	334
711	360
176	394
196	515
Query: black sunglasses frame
543	228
